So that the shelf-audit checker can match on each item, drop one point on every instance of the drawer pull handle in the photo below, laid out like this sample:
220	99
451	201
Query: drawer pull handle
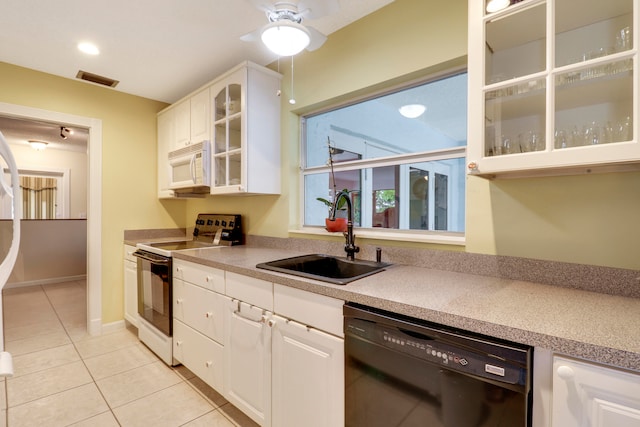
271	323
179	301
178	269
208	278
208	363
178	343
208	314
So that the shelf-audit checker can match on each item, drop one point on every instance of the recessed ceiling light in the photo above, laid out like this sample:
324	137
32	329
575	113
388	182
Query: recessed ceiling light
411	111
37	145
88	48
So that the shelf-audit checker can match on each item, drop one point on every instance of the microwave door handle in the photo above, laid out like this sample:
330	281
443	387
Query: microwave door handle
192	167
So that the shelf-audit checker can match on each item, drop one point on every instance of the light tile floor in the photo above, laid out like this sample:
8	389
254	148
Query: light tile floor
64	377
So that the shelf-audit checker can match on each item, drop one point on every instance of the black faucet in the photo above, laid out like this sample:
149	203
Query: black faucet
350	247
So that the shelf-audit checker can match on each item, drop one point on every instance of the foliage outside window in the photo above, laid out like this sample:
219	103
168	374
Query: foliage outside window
402	173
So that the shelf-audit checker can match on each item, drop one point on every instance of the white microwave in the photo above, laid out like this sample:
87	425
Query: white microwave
190	168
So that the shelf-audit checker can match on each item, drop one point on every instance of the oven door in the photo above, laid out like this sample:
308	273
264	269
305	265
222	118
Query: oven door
154	290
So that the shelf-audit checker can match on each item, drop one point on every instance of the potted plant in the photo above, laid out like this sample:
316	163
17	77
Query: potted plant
339	223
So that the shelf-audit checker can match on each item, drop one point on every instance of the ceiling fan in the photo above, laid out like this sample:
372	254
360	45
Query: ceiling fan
285	34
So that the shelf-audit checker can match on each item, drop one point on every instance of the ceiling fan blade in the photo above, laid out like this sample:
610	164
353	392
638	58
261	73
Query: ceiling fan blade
314	9
251	37
317	38
264	5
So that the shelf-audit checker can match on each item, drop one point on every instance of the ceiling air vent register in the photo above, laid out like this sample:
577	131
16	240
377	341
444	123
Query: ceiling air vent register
94	78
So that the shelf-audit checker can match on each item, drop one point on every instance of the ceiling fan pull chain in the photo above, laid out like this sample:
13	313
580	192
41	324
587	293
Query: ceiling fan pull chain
292	100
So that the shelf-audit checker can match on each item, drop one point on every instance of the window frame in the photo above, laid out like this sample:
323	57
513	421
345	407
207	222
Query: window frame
407	235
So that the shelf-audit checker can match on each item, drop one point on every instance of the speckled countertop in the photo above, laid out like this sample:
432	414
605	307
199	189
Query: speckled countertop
595	326
581	323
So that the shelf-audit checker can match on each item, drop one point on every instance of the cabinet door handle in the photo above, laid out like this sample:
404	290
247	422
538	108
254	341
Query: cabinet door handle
263	318
208	314
207	279
178	269
179	301
565	372
178	343
271	323
208	363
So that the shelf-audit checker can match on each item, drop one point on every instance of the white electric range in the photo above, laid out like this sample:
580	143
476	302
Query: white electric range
155	277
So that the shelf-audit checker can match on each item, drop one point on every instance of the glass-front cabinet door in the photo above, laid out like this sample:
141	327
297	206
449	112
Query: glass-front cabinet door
552	86
228	125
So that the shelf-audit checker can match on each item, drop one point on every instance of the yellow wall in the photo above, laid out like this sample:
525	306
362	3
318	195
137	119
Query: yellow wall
128	161
582	219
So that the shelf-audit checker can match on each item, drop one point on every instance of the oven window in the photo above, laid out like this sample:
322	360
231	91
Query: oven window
154	294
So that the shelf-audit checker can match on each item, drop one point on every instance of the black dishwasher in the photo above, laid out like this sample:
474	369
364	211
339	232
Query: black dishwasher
402	371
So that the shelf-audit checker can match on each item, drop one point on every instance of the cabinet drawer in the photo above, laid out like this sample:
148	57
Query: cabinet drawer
207	277
250	290
318	311
199	308
204	357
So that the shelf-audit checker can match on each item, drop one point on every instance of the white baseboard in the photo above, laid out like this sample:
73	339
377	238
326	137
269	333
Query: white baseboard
112	326
45	281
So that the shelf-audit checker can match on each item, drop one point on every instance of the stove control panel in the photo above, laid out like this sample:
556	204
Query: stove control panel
219	229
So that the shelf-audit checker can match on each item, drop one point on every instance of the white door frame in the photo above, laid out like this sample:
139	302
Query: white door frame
94	200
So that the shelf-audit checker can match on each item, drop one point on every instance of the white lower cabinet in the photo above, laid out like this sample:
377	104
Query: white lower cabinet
308	376
203	356
130	285
275	352
247	367
586	394
198	321
199	308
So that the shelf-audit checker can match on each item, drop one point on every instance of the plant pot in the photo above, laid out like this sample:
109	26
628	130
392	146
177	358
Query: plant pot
339	225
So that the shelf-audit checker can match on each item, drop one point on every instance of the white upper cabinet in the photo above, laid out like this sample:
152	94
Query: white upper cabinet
191	120
552	87
200	108
166	132
246	131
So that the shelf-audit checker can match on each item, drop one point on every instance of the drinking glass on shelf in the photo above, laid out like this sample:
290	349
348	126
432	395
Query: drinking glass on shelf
622	131
623	39
506	145
592	134
561	139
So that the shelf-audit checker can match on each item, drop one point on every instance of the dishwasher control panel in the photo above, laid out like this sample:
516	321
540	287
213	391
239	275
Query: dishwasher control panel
436	350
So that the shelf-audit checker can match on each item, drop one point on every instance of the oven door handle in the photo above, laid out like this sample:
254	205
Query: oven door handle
158	260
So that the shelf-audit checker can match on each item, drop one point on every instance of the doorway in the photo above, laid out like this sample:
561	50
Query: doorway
94	199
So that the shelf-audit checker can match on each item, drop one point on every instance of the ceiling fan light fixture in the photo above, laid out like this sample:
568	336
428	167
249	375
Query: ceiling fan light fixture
285	38
37	145
497	5
412	111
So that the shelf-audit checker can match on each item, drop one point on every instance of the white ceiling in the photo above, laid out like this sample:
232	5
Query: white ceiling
158	49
